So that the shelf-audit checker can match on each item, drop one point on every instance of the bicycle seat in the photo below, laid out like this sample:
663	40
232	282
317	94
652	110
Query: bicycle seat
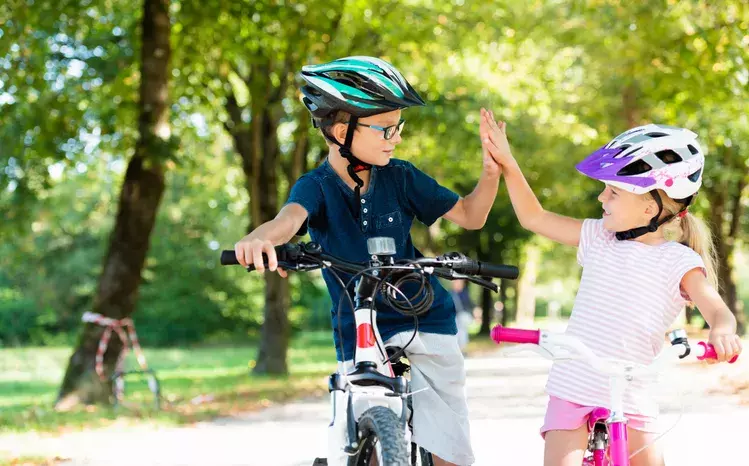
598	415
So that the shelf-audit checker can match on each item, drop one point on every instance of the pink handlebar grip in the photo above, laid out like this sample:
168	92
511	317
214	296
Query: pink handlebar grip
515	335
709	352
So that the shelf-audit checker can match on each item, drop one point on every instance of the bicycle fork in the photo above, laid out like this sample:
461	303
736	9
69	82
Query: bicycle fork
370	383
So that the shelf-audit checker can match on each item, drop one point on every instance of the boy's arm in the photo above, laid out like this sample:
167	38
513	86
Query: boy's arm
529	211
280	230
717	315
472	211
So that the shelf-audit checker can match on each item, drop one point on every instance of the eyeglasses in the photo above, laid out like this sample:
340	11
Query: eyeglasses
388	131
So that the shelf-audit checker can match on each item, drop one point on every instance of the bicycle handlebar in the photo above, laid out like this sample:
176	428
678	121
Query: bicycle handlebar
708	352
309	256
499	334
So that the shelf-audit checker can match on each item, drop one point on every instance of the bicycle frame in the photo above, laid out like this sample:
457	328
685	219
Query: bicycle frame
372	381
564	347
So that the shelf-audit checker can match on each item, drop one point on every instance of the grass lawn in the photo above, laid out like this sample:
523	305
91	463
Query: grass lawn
196	384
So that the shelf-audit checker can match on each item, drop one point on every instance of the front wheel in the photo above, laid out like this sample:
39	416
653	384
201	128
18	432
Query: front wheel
381	439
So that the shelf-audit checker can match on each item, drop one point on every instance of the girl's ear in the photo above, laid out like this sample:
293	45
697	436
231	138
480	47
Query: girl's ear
651	208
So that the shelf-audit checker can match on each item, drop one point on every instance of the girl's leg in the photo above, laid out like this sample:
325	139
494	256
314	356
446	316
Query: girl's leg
651	456
565	447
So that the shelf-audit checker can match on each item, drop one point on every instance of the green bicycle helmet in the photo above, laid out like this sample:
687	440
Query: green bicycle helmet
360	86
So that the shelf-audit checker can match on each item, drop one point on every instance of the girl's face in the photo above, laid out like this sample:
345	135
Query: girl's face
623	210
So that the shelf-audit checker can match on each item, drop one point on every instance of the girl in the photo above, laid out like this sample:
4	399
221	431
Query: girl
636	276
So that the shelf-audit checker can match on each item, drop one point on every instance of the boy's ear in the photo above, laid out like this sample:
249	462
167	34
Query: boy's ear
338	131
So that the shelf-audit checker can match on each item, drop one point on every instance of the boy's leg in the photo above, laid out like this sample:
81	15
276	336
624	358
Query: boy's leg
440	419
565	447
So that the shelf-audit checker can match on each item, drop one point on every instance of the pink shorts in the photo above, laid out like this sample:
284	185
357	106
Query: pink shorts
565	415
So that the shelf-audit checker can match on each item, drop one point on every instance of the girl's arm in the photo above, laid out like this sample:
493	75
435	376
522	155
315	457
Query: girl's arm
717	315
529	211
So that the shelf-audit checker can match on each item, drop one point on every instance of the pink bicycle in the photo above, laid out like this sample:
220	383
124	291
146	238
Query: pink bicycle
607	442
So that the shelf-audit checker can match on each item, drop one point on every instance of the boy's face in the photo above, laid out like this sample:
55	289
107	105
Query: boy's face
369	144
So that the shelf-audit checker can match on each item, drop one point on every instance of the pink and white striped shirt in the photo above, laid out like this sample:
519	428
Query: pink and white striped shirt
629	295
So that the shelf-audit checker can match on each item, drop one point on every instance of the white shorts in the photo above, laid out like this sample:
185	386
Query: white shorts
440	421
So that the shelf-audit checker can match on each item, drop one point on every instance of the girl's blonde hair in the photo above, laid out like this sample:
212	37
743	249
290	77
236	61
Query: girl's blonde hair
692	232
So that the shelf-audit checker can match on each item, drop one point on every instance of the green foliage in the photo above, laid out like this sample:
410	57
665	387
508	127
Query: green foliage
566	76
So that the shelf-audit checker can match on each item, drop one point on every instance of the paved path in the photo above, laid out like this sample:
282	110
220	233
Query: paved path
506	401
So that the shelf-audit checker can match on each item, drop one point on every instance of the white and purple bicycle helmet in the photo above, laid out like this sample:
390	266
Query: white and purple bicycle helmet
647	158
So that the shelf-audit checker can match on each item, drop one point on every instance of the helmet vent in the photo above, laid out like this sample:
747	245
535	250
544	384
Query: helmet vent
656	135
630	153
345	78
635	168
692	149
694	177
668	156
623	148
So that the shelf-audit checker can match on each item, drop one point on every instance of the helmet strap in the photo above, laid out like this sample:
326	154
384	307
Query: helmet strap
355	165
654	222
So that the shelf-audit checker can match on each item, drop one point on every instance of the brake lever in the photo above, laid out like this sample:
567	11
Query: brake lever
451	274
485	283
479	281
294	266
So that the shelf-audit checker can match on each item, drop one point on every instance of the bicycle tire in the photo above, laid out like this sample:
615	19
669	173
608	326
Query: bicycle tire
380	425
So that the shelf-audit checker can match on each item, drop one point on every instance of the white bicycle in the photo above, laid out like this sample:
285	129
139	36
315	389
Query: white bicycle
371	403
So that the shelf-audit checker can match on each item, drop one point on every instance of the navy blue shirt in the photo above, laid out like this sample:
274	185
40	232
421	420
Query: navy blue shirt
397	194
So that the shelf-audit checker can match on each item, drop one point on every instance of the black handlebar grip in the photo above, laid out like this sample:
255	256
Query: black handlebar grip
229	258
509	272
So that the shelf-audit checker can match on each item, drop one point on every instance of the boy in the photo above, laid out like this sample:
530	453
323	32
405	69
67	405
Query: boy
359	192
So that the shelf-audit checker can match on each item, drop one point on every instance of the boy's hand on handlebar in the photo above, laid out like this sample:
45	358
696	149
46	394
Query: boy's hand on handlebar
250	251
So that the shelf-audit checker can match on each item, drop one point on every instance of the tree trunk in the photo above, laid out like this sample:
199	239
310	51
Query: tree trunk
689	315
274	343
726	282
482	243
726	229
526	300
629	105
261	161
297	166
511	306
141	194
487	311
258	147
731	296
503	299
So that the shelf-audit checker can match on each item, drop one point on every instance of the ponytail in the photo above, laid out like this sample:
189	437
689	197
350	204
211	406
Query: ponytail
693	233
696	235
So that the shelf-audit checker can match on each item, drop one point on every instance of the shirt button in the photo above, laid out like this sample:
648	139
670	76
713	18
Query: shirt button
390	219
365	210
363	201
364	223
